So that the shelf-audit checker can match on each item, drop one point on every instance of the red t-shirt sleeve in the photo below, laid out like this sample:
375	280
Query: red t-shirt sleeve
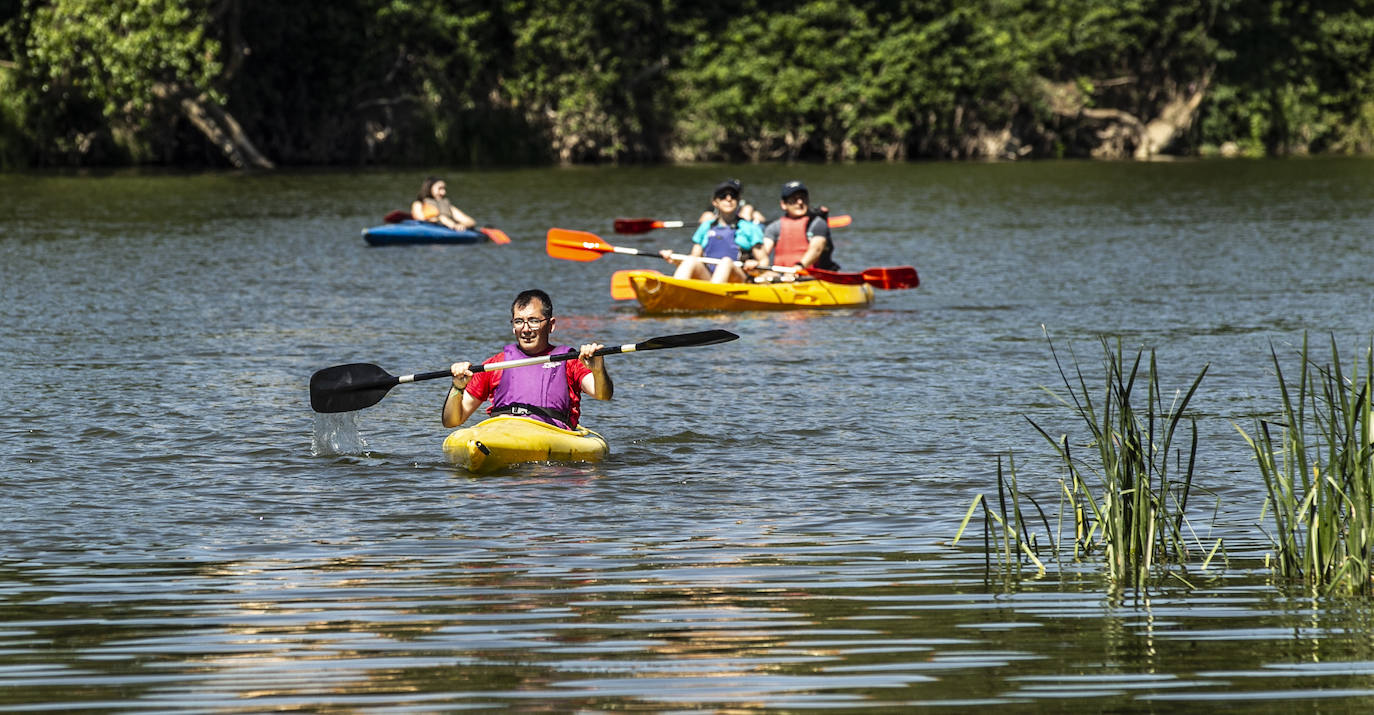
483	384
576	371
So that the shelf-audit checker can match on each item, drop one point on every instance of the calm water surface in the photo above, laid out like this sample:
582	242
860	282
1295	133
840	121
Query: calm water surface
772	529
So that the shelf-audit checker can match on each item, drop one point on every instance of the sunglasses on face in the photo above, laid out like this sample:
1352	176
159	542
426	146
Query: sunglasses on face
727	195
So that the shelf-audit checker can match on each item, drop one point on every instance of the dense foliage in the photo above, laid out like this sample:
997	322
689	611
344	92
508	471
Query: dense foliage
257	83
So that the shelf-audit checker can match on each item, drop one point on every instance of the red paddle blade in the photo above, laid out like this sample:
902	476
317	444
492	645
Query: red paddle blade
495	235
836	276
576	245
643	225
621	288
397	216
896	278
839	221
634	225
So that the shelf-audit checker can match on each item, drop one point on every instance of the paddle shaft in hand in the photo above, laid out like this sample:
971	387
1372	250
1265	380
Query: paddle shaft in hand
344	388
585	246
645	225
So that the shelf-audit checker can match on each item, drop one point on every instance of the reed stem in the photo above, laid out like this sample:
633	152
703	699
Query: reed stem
1318	472
1136	515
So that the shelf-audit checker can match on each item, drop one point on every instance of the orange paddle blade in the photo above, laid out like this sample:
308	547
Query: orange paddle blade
576	245
839	221
621	288
895	278
495	235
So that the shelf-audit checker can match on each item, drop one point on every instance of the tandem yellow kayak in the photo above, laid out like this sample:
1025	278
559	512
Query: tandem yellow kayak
504	440
658	293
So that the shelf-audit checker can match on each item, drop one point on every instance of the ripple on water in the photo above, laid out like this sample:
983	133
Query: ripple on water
772	527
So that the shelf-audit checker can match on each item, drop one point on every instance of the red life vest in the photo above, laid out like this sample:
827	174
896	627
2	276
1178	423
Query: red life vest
792	240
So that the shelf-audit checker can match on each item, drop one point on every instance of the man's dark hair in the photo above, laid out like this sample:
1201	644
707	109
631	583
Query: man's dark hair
526	296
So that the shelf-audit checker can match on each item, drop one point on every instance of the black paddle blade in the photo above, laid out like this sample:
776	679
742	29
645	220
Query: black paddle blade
687	340
344	388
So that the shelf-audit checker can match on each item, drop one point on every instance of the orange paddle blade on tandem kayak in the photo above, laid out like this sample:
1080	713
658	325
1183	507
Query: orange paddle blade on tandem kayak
582	246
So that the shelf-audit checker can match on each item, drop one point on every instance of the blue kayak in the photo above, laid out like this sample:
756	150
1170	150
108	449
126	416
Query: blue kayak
412	231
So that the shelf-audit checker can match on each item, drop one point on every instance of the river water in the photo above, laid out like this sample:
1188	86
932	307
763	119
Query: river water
773	527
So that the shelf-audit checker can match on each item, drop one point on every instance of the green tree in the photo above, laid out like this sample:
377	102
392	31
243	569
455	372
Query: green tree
138	62
590	73
1297	77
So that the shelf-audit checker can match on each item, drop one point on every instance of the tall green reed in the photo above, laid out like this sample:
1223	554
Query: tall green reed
1127	502
1006	535
1319	474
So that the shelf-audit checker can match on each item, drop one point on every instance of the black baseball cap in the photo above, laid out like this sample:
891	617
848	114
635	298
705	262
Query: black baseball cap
794	187
728	185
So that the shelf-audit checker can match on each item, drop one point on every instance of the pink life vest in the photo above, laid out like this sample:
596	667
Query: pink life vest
792	240
539	392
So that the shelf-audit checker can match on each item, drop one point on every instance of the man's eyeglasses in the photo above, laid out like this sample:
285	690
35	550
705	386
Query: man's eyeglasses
798	198
528	322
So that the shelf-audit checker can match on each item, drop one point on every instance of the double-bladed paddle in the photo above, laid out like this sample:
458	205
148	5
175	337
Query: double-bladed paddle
495	235
583	246
645	225
344	388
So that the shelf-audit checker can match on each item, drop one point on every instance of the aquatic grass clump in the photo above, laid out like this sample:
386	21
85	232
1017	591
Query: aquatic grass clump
1134	510
1010	539
1319	473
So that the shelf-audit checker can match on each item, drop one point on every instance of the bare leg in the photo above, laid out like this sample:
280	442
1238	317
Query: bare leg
691	268
725	273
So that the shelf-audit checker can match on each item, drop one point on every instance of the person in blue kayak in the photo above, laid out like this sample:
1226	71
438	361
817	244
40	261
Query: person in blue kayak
723	235
801	236
432	204
550	392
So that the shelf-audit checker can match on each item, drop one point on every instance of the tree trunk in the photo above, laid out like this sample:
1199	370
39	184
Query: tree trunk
218	126
1174	118
1123	134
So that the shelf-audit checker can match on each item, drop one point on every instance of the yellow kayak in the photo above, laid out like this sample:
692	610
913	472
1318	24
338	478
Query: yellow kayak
504	440
663	294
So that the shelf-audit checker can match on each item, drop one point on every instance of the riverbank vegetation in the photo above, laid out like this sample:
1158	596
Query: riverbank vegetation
259	84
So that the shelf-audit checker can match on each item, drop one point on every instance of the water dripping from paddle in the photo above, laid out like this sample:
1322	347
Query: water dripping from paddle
336	434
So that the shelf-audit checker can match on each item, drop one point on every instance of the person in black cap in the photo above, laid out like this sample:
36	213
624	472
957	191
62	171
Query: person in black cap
724	236
801	236
746	209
